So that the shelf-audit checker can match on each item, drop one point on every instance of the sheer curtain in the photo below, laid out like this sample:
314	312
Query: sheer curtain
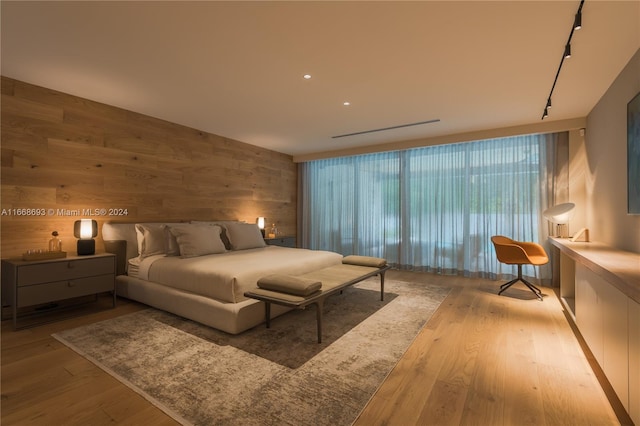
435	208
351	205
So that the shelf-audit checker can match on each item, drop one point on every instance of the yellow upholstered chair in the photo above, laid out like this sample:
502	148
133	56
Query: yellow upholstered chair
519	253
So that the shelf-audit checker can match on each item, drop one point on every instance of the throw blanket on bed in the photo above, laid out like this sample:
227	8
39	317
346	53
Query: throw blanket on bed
227	276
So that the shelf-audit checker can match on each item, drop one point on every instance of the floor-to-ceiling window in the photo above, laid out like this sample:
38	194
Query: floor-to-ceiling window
433	208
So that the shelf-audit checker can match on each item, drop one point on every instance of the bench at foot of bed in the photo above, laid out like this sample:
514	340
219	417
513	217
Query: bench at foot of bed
314	287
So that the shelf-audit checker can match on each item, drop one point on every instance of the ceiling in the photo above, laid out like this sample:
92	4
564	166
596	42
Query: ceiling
236	68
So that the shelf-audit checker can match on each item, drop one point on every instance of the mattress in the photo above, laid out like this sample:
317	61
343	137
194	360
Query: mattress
227	276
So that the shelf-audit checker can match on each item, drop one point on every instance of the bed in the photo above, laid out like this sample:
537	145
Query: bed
201	270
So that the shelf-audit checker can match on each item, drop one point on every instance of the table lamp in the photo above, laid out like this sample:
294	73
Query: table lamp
85	230
560	215
260	222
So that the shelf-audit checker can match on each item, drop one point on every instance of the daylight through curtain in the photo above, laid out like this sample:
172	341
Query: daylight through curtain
434	208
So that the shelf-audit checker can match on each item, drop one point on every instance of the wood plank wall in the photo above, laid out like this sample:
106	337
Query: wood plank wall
64	155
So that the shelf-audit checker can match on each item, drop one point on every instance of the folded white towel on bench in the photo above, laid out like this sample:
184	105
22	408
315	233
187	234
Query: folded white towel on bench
374	262
289	284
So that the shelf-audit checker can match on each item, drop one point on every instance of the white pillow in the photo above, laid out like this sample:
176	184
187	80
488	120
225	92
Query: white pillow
171	246
220	223
195	240
151	240
244	236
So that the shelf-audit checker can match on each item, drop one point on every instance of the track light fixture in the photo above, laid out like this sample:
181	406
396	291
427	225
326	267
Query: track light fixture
577	24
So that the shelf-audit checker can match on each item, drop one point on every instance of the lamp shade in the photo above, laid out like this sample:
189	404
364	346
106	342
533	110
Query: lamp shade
260	222
560	213
85	229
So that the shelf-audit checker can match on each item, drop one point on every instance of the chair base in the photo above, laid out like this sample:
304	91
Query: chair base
532	287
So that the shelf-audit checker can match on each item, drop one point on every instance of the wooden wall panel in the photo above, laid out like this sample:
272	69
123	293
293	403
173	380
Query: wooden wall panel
65	155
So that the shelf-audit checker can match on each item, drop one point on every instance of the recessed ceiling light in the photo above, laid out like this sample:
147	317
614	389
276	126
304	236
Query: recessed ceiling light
306	76
346	103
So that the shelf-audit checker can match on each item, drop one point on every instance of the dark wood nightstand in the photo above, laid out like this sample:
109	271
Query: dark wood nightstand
281	241
33	282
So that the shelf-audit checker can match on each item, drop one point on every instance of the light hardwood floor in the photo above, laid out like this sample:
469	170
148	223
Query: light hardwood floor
482	359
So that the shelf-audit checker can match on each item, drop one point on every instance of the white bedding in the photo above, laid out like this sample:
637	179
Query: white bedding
227	276
133	267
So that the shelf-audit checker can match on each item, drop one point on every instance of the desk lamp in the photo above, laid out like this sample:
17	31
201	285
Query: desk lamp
560	214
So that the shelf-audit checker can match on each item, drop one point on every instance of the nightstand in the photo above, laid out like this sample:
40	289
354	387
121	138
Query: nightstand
281	241
29	283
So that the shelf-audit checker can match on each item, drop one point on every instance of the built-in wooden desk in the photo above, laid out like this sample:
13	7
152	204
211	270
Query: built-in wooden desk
600	287
620	268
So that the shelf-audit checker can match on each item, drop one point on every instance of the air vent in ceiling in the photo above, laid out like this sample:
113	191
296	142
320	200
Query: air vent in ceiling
386	128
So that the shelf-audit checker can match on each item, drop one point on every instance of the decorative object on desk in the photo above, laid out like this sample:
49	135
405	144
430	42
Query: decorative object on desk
41	254
560	215
55	245
633	155
582	236
273	231
85	230
260	222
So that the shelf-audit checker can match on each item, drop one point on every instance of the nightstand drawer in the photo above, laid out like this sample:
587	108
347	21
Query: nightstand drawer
63	270
281	241
59	290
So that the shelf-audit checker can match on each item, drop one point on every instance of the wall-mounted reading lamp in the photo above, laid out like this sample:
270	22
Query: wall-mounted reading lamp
85	230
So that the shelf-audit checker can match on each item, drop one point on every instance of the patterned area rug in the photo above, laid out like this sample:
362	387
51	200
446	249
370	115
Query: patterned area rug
276	376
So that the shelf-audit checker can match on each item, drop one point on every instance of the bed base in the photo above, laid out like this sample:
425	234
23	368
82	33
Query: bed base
232	318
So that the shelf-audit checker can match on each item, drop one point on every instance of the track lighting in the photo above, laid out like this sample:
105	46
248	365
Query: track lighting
577	24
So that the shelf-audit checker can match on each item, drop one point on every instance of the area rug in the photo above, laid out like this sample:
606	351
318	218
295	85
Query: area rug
275	376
